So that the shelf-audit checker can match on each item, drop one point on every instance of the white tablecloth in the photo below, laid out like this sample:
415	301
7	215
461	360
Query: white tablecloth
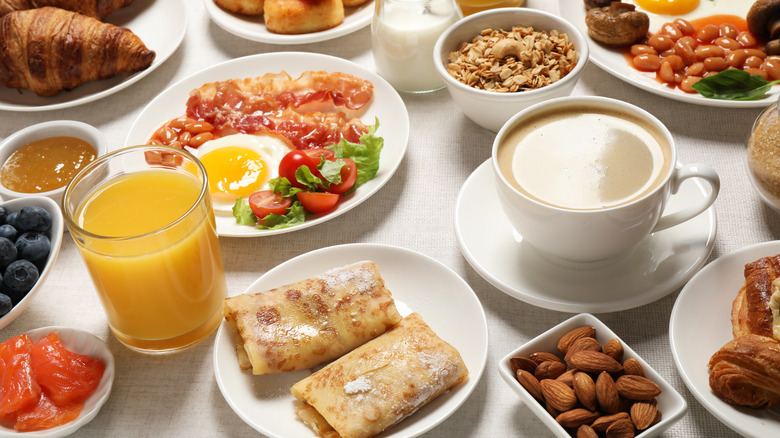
177	395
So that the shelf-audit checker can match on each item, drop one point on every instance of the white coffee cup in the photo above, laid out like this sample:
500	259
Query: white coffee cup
573	193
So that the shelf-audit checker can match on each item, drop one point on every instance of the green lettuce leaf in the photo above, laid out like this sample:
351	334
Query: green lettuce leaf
365	154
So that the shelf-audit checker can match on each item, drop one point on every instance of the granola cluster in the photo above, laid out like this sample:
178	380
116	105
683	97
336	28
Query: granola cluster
511	61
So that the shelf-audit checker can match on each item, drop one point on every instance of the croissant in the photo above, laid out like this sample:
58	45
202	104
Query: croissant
756	308
746	371
94	8
47	50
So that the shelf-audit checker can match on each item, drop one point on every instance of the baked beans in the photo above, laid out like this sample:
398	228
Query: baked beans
681	55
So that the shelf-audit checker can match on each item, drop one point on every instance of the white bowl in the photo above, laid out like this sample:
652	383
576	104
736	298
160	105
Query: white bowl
54	128
671	404
55	236
492	109
81	342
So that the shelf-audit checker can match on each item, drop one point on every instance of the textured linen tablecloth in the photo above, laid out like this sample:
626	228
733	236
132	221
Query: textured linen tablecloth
177	395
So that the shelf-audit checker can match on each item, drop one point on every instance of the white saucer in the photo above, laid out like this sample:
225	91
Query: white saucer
661	263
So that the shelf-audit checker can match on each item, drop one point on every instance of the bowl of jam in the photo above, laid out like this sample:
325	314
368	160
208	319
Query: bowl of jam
41	159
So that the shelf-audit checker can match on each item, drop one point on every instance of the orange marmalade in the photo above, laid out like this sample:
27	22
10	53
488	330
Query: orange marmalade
46	164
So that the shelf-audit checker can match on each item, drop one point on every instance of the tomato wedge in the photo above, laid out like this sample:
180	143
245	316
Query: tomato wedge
318	202
266	202
65	376
348	178
18	388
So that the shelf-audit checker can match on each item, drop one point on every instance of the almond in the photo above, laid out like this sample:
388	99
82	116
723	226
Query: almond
576	417
585	389
559	396
568	339
594	362
543	356
636	387
582	344
567	377
633	367
643	414
531	384
586	431
614	348
602	423
522	363
621	429
607	394
550	369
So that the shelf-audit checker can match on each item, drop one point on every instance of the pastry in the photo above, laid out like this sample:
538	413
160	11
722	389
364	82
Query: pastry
746	371
48	50
310	322
756	308
302	16
379	383
243	7
94	8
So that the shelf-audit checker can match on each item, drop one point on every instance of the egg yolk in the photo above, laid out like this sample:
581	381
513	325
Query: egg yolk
668	7
234	171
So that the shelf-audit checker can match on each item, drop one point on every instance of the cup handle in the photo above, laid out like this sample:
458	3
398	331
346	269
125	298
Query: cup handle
694	170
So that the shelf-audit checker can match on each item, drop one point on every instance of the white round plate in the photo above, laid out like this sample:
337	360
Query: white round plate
253	27
660	264
161	25
614	62
700	324
418	284
81	342
387	106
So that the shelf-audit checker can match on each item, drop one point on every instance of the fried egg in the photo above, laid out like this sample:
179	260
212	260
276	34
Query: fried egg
240	164
665	11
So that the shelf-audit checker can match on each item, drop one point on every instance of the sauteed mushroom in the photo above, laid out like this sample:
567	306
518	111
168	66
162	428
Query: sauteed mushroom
590	4
618	24
764	21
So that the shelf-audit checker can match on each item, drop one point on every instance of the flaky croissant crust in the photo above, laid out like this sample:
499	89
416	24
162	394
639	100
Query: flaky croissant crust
746	372
94	8
751	313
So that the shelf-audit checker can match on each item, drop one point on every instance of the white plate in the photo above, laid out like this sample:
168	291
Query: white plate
253	28
161	25
387	106
81	342
614	62
661	263
701	323
418	284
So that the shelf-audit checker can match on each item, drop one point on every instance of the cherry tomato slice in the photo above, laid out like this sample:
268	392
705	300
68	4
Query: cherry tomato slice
290	163
318	202
266	202
348	177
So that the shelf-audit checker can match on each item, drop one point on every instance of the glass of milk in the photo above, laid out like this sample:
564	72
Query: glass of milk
403	33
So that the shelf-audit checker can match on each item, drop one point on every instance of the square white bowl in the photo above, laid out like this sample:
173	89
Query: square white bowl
671	404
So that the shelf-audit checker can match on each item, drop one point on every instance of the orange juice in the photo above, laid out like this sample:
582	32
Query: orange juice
149	241
469	7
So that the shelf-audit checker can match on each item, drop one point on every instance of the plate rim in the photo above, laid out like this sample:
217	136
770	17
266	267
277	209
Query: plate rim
367	248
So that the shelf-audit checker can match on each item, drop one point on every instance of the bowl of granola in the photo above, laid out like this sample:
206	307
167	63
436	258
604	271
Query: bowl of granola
498	62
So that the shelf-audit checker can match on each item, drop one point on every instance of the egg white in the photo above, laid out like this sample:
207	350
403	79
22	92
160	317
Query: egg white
270	148
706	8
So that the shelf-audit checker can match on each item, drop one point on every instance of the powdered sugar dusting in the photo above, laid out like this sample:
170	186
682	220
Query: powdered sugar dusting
362	278
361	384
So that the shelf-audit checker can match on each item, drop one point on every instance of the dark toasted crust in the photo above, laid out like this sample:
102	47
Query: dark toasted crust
751	313
746	372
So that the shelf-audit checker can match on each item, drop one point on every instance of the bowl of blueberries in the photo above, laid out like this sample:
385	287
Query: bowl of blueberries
31	231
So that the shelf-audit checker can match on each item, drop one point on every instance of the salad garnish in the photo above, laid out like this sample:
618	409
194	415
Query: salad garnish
733	84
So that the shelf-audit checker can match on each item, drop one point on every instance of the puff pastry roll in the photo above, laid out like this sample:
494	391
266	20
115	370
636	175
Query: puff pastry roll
310	322
379	383
746	372
94	8
756	309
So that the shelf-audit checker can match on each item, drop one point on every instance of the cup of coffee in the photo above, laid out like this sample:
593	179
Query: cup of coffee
586	178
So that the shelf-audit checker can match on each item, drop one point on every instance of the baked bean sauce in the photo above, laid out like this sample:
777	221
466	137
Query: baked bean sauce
46	164
682	52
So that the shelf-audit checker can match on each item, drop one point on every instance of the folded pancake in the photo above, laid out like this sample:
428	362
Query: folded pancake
310	322
756	309
379	383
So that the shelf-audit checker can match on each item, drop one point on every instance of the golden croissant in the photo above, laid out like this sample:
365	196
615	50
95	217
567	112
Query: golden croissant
94	8
756	309
47	50
746	371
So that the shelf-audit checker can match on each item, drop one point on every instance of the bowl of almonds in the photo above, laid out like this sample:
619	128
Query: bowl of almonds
581	380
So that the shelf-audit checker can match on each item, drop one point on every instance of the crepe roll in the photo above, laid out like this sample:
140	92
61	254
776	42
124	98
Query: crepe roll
379	383
310	322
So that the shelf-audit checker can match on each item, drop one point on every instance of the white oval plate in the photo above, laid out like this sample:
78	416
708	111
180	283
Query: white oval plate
418	284
253	28
81	342
161	25
614	62
700	324
387	106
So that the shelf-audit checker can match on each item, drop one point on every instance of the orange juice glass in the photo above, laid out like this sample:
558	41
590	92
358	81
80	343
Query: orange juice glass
143	222
469	7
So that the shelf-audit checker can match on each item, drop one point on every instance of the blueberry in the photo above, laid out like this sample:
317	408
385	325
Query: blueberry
20	276
8	252
9	232
33	246
5	304
3	214
34	219
11	219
